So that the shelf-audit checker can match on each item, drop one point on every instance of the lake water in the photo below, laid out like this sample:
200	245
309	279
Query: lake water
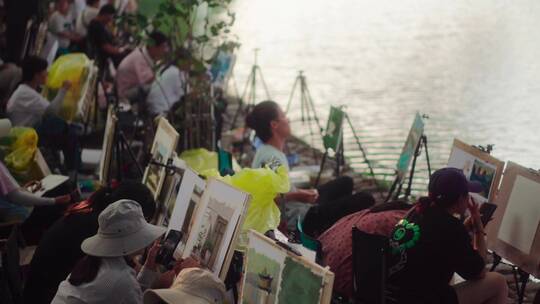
472	66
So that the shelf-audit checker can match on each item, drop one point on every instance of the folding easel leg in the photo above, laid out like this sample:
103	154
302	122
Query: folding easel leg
321	169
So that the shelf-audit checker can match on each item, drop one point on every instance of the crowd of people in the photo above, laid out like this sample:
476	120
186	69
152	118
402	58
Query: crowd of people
103	249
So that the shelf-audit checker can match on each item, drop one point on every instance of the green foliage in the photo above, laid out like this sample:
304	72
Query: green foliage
200	26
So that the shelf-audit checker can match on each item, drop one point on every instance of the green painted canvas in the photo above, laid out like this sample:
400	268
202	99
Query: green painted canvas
262	278
299	284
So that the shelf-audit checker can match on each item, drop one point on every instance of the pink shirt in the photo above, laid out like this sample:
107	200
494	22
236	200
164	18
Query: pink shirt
337	242
7	182
134	70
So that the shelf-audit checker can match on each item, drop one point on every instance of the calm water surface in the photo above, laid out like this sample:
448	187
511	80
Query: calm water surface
472	66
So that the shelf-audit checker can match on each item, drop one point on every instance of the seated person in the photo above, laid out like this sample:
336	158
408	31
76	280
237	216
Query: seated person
60	247
320	208
135	73
87	15
192	285
430	244
167	90
100	41
28	108
337	241
15	201
10	76
62	28
107	273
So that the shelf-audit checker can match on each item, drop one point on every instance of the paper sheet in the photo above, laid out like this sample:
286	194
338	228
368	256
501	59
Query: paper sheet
49	183
522	216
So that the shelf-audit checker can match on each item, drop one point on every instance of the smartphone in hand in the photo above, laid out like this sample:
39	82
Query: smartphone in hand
486	212
168	246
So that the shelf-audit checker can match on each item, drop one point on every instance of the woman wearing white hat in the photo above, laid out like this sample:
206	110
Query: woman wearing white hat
193	286
106	274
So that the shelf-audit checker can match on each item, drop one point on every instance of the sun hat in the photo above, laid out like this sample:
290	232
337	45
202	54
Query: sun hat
122	231
448	182
193	286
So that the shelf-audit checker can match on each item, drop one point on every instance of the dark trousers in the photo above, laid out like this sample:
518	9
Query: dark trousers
335	202
55	133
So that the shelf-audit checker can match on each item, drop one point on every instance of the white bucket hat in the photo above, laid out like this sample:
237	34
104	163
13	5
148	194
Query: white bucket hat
122	231
193	286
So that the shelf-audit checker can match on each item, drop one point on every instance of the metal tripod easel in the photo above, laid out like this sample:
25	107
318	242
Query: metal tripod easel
307	106
249	95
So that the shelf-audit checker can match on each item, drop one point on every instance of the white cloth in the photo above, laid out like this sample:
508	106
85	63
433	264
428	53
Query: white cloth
167	91
84	19
59	23
26	107
266	154
115	282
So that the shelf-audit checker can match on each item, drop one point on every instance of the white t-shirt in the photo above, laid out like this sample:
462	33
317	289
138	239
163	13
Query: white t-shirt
26	106
167	92
59	23
84	19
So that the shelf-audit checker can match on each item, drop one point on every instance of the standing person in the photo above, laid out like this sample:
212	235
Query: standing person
62	28
87	15
106	274
60	247
320	207
28	108
100	41
135	73
429	245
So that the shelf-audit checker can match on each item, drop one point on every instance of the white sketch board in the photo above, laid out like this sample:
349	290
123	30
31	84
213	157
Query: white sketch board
522	212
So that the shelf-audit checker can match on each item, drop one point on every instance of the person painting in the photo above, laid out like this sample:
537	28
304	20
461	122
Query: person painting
320	208
27	108
429	245
60	247
136	72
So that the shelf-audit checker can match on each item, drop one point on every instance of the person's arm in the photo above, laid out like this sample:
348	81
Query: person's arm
25	198
56	104
111	49
149	272
309	196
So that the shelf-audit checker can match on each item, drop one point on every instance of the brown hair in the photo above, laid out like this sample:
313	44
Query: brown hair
261	116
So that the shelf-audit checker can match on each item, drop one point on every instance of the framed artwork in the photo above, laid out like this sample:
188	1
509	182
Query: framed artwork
107	147
274	275
407	153
215	226
514	233
187	200
163	147
477	166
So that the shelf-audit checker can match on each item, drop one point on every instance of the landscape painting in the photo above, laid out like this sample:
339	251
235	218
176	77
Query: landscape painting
407	153
215	226
274	275
165	141
477	166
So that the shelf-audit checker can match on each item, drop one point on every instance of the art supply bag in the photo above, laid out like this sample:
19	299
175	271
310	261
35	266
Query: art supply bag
264	185
23	148
72	67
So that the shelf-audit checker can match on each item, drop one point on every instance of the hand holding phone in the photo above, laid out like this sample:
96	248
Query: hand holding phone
168	246
486	212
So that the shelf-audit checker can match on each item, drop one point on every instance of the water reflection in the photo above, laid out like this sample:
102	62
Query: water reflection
471	65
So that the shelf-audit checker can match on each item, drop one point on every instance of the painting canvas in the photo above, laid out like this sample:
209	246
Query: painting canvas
514	233
275	275
188	198
165	141
107	147
215	226
407	153
168	197
477	166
